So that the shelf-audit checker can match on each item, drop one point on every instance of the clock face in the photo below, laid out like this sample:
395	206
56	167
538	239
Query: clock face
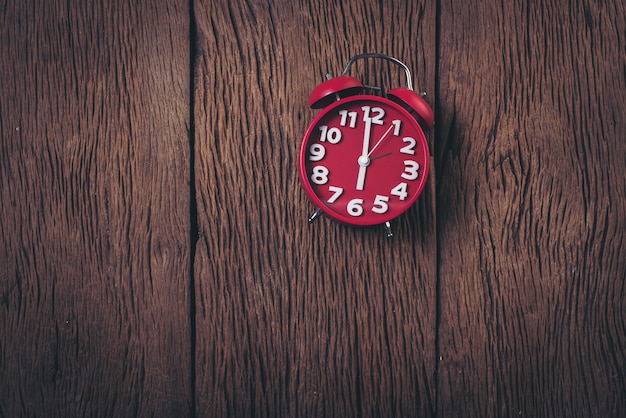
364	160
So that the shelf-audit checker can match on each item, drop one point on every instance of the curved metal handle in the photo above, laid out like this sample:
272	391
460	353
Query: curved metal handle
385	57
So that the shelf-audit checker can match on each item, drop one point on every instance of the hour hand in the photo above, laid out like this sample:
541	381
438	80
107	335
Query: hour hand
364	161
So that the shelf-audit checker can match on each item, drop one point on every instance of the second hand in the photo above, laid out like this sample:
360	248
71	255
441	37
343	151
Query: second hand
380	140
380	156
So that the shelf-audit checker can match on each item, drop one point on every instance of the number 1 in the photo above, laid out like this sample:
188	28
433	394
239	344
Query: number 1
397	124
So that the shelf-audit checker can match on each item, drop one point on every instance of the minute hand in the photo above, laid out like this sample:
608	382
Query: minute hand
366	137
363	160
380	140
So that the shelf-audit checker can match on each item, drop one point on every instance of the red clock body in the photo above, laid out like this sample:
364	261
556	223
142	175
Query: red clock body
364	160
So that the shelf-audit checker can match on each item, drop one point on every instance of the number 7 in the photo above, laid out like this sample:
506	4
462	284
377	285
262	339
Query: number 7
337	191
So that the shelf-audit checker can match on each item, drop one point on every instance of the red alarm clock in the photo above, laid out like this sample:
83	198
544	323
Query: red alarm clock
364	159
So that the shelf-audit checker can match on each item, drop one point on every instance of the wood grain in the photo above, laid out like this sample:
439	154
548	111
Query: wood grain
94	209
155	258
531	209
296	319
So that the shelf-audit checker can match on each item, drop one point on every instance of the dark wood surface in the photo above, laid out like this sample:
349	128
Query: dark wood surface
155	255
320	320
531	214
94	187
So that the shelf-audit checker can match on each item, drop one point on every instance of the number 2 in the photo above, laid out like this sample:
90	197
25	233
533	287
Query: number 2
408	149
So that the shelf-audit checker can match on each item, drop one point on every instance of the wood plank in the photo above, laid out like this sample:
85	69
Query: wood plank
531	209
296	319
94	212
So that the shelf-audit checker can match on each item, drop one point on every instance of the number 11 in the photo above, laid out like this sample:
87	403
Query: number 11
344	118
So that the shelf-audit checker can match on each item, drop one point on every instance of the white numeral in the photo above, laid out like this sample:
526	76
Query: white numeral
380	204
410	170
408	149
317	152
337	191
344	118
378	115
397	124
355	207
320	174
400	191
332	135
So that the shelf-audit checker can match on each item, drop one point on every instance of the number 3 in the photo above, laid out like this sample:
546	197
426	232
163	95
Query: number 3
410	170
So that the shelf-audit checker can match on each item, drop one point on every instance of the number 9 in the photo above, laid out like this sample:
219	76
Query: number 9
317	152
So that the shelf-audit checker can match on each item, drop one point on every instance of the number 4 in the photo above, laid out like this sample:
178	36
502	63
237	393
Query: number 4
400	190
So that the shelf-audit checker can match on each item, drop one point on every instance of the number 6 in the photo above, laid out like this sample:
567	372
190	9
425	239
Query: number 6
355	208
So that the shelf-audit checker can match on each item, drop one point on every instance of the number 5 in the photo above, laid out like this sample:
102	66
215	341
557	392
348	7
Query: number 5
380	204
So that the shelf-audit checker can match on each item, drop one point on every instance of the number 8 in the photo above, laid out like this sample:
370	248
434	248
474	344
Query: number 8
320	174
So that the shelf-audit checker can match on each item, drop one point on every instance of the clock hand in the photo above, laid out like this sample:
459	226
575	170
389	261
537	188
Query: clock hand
366	137
363	163
380	156
364	159
380	140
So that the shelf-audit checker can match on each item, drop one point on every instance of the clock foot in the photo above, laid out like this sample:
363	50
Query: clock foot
315	215
387	227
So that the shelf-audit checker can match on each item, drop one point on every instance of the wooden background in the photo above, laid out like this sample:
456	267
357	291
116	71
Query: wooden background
155	258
